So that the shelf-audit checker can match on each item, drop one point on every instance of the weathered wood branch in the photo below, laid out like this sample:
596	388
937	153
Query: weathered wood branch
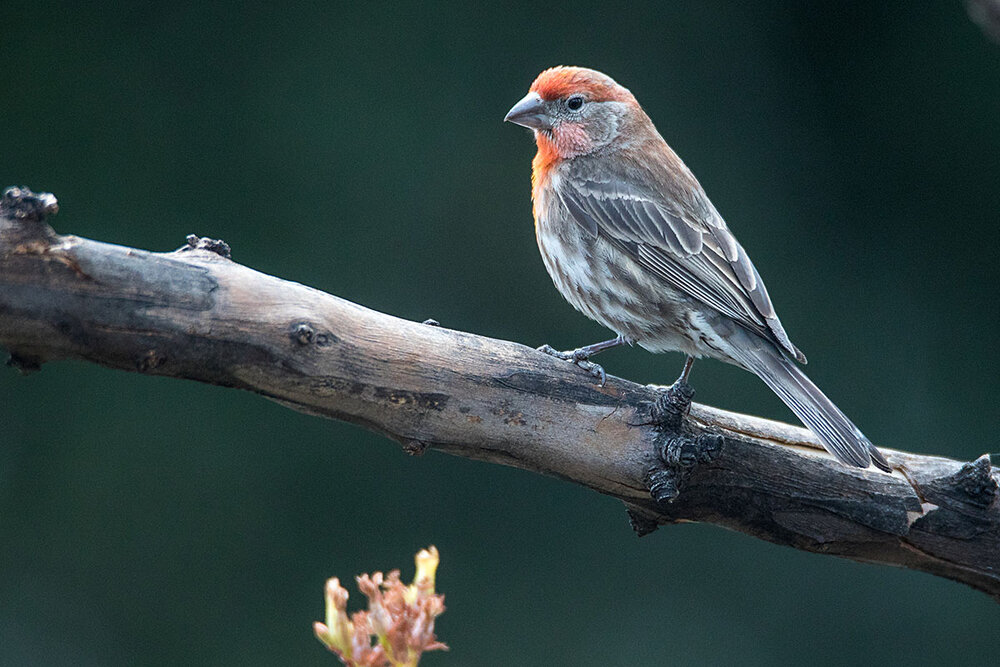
196	314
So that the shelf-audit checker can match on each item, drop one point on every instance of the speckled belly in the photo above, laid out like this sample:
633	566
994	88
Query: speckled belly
608	286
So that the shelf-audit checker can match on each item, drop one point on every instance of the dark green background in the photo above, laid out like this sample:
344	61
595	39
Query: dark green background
854	148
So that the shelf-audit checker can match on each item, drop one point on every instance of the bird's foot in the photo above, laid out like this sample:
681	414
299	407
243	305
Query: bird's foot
681	394
673	403
580	357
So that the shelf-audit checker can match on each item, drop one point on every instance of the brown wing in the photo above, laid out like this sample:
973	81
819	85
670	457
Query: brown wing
684	241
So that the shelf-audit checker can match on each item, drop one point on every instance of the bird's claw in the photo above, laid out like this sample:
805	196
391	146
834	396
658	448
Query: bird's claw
580	358
673	403
595	370
682	392
553	352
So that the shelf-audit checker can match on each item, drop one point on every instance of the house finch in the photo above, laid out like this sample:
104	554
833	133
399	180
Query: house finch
632	241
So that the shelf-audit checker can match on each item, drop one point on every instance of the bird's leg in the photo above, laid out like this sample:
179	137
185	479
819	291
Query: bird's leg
581	355
680	391
675	401
685	372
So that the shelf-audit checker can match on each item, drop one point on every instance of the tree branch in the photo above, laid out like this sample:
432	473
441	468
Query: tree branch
196	314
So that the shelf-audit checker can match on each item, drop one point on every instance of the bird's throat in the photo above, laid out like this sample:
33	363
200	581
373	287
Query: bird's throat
545	160
563	142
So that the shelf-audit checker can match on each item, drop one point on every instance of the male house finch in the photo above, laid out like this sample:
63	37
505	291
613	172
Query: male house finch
632	241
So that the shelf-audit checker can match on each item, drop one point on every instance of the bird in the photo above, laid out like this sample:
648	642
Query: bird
632	241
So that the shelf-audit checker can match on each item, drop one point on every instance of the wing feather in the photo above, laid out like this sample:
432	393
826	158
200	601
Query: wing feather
684	241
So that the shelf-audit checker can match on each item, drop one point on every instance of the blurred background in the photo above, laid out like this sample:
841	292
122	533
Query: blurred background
853	147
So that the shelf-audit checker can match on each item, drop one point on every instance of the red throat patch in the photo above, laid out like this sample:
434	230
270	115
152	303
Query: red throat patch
545	159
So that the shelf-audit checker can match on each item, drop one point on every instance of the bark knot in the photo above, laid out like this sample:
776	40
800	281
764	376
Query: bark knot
21	203
975	482
218	246
305	333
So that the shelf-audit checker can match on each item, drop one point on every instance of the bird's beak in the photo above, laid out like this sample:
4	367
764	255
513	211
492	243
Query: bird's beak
529	112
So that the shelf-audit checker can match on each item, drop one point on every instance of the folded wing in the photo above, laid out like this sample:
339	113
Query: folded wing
684	241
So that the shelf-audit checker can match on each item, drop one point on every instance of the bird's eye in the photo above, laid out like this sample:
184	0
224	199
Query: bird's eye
575	103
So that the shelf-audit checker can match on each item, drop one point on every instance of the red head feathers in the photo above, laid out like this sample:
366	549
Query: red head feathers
558	82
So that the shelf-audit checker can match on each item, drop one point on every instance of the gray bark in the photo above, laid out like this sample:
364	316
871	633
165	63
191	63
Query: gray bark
196	314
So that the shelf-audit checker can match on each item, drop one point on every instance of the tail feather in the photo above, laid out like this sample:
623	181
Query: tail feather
837	433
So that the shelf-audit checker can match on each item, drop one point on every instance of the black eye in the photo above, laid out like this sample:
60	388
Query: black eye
575	103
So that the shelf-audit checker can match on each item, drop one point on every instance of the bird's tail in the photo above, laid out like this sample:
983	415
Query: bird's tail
837	433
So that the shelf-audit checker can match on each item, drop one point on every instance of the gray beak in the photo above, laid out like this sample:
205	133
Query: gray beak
529	112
